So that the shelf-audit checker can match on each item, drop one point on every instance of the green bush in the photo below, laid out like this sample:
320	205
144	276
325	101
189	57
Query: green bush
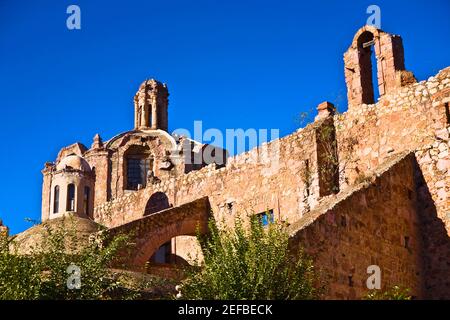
250	263
42	274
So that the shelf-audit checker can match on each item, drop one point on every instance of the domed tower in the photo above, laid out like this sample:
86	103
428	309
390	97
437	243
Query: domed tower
72	184
150	106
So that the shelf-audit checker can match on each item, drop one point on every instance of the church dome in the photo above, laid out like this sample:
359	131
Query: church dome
33	238
75	162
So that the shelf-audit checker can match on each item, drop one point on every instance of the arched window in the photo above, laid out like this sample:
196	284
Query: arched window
56	199
86	198
70	197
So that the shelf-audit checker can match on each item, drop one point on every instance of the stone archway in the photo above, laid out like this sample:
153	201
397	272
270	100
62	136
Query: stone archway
150	244
150	232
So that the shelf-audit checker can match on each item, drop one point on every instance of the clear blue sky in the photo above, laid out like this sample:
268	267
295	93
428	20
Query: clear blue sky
231	64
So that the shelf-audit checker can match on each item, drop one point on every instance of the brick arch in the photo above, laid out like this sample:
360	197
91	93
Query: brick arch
152	231
367	28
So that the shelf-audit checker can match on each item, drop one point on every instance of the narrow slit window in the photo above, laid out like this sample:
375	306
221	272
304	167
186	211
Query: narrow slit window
86	199
447	113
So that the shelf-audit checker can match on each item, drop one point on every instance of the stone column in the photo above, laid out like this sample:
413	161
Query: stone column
154	124
46	191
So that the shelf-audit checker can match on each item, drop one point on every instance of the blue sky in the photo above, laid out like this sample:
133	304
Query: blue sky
231	64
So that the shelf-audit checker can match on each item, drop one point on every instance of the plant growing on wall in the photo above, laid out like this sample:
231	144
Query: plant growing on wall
334	158
327	157
250	262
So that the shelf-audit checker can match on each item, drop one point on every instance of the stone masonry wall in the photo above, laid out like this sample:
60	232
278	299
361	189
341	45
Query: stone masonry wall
373	223
412	118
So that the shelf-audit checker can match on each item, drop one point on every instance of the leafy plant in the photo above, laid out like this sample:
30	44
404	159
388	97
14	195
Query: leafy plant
250	262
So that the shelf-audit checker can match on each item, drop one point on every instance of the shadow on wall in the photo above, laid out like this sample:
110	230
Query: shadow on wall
362	226
436	242
157	202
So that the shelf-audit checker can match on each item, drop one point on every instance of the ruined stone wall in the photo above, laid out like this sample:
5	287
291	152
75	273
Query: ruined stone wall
433	185
413	118
373	223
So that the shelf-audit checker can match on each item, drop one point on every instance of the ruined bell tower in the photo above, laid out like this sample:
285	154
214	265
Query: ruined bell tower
390	66
150	106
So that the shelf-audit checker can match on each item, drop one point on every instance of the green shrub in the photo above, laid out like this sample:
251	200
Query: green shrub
43	274
250	263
